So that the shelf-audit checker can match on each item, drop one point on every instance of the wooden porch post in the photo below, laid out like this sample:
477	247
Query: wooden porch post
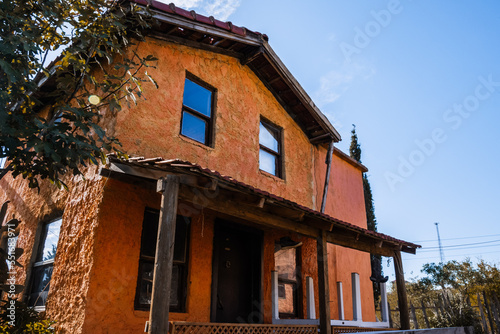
162	278
323	285
404	312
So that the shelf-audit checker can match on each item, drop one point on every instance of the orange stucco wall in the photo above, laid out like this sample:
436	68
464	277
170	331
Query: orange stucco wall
345	202
95	272
75	254
153	128
110	300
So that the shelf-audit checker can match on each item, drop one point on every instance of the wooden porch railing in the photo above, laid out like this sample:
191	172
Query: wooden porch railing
217	328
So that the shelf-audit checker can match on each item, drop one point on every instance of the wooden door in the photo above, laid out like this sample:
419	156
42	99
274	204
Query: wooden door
236	281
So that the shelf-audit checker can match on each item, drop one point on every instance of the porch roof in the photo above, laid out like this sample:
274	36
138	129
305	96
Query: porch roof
256	204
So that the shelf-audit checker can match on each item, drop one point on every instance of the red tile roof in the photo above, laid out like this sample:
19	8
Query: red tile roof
160	163
192	15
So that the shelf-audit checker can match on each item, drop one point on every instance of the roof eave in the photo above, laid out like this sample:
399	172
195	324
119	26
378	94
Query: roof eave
339	232
256	49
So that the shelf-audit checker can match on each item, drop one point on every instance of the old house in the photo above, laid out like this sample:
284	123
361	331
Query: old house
228	162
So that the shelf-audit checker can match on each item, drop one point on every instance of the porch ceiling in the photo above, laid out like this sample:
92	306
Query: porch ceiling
208	188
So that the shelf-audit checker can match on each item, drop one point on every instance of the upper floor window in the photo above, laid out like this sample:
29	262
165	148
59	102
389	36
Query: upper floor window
44	264
197	111
270	157
178	289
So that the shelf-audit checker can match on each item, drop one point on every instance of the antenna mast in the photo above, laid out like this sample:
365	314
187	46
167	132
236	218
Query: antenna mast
441	252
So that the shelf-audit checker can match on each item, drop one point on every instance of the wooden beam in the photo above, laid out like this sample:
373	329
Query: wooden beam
144	172
323	285
225	203
404	312
222	40
275	79
162	277
194	44
348	240
320	138
248	58
275	215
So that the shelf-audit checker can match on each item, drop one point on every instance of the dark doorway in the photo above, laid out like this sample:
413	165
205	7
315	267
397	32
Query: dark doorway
236	281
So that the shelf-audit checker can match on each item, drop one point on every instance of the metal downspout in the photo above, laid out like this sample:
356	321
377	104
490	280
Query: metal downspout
327	177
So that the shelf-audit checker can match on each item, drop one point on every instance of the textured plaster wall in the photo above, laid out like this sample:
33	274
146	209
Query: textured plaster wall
152	129
346	202
74	258
95	272
110	301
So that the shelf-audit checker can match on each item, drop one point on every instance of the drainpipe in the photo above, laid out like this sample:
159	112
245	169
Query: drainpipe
327	177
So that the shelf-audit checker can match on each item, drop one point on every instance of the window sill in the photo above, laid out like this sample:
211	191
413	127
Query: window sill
39	309
145	313
271	176
195	142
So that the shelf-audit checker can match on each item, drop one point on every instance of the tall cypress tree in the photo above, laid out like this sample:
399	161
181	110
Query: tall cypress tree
371	220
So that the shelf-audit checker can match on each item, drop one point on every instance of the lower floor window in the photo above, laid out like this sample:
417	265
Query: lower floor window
286	263
178	290
42	268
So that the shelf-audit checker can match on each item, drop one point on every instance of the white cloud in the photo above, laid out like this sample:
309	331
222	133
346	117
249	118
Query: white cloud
336	82
186	4
220	9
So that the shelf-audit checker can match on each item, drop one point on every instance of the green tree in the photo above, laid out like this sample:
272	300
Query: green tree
449	292
371	221
51	115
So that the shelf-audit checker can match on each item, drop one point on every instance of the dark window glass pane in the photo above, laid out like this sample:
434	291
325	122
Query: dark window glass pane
40	286
146	284
268	137
197	98
50	237
174	288
149	233
267	162
146	264
181	232
193	127
281	291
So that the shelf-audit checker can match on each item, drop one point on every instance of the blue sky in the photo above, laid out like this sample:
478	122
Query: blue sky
421	81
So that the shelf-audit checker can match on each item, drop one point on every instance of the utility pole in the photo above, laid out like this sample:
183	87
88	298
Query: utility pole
441	252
